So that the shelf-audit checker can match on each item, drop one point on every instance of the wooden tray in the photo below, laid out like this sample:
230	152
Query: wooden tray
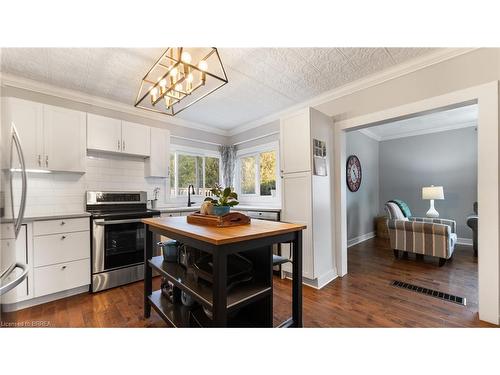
228	220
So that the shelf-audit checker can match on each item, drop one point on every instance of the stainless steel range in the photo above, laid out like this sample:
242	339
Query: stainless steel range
117	236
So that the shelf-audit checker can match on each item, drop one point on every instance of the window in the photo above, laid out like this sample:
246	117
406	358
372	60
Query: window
189	168
248	175
257	171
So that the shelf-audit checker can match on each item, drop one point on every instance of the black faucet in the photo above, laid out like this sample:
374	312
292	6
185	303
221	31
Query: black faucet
190	191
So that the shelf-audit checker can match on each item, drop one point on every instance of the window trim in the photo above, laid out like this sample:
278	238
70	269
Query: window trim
256	151
190	151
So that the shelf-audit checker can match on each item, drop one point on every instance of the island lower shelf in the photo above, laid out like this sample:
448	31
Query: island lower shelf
179	316
237	297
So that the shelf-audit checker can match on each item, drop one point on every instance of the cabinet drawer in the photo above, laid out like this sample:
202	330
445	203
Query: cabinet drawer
59	277
263	215
41	228
58	248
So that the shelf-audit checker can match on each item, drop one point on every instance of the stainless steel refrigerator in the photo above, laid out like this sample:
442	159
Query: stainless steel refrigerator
13	189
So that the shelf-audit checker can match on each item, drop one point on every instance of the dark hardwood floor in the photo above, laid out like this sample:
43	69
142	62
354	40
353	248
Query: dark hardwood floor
363	298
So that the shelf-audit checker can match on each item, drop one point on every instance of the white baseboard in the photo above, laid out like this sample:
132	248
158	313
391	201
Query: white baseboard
464	241
359	239
44	299
319	282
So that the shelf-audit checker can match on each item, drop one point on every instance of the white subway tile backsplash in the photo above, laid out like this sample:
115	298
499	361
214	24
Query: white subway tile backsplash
56	193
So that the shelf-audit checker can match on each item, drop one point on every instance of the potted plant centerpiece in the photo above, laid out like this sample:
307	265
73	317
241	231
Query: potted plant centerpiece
225	199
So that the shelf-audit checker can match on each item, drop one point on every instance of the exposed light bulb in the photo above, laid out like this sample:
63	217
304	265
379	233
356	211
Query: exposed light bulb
203	65
154	92
173	72
163	83
186	57
190	77
178	87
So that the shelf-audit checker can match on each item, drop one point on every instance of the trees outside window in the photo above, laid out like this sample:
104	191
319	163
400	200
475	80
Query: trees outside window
203	172
258	173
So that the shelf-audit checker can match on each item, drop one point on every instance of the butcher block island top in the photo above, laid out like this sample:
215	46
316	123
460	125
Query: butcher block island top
224	235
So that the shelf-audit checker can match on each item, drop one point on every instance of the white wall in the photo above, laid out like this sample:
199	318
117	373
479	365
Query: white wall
56	193
322	200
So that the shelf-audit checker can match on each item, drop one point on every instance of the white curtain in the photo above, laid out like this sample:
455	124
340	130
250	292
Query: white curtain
228	160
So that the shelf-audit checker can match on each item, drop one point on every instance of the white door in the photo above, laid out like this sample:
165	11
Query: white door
103	133
296	208
64	139
295	143
135	139
28	119
159	160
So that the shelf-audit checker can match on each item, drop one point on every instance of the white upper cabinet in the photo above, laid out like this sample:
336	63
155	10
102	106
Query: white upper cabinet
52	138
104	133
135	139
295	143
112	135
28	118
158	163
64	139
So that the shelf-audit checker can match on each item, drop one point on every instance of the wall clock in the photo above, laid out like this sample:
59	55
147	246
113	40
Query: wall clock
353	173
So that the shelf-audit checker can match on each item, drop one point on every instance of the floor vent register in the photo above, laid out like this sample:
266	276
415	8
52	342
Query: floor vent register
430	292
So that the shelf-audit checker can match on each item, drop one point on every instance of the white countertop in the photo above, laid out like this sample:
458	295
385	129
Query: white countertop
236	208
75	215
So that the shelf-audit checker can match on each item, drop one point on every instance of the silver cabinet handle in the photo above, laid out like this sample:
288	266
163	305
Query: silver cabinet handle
118	144
123	145
39	160
20	216
9	286
47	161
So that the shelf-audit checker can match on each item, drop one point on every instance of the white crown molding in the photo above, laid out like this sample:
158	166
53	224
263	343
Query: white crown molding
370	134
76	96
373	135
430	131
360	84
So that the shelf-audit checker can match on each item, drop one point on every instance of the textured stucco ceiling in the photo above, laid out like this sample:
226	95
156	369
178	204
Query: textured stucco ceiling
261	80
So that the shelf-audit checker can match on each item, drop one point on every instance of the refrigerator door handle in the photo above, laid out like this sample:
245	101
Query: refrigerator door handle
11	285
20	217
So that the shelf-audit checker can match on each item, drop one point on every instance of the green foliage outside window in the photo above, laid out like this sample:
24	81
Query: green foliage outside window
200	171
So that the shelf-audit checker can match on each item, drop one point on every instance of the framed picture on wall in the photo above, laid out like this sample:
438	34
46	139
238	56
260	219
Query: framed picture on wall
319	158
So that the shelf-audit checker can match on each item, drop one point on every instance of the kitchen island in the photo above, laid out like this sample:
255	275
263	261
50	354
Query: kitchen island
246	305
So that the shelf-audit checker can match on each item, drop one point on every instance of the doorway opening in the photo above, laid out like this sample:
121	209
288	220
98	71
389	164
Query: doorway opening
400	165
485	98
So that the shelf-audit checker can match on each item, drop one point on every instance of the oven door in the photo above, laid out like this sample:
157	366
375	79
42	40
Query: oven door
117	244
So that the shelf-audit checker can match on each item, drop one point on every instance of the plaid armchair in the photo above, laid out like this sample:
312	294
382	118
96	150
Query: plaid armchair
426	236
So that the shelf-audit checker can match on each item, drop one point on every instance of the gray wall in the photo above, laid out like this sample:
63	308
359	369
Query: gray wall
363	205
447	158
252	137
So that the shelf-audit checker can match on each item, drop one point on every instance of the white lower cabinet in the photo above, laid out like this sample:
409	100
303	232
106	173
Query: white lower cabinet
57	253
63	276
58	248
296	190
61	251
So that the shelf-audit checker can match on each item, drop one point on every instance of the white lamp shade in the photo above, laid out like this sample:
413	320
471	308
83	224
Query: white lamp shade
432	192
